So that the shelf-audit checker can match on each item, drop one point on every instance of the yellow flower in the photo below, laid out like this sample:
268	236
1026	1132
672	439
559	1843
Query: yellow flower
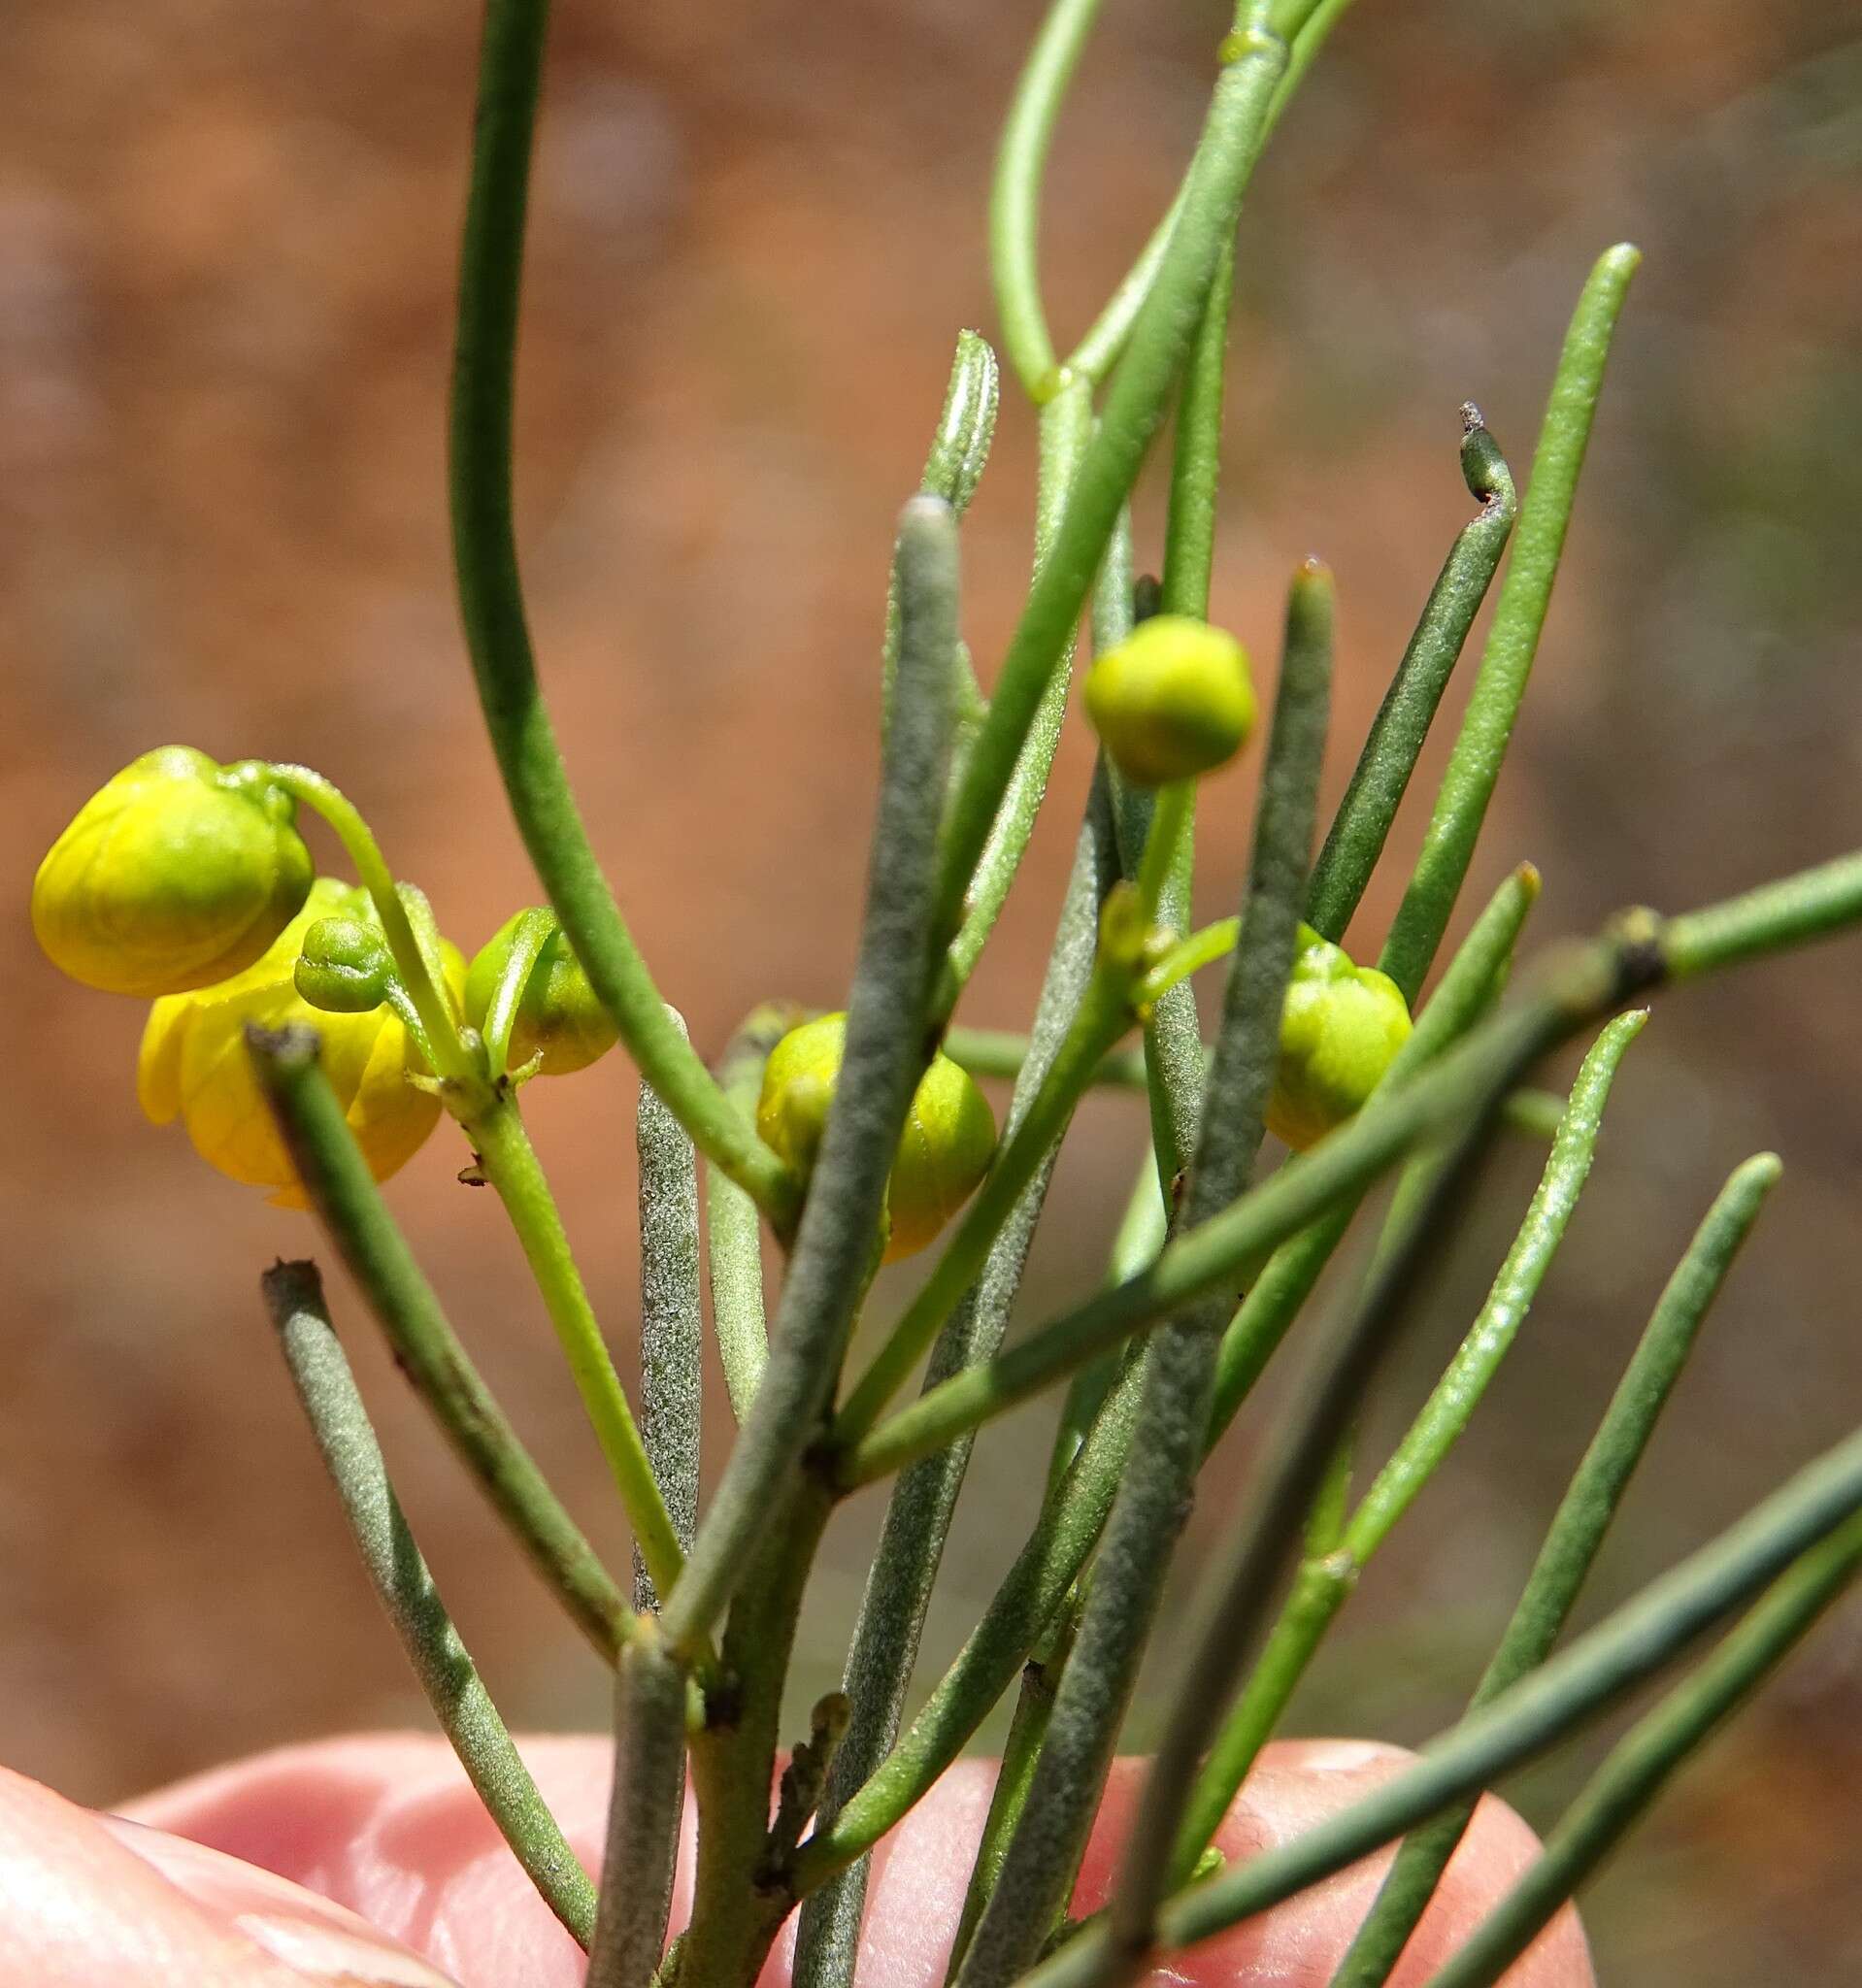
175	874
194	1066
1339	1027
948	1141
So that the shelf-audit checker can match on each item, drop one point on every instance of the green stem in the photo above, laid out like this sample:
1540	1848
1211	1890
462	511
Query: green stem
1306	25
1518	618
1103	1015
1466	991
1066	425
1015	1781
733	1225
1641	1763
1232	1246
646	1807
336	1180
345	1440
1326	1578
1571	1545
1135	403
836	1243
1099	350
1035	1587
1038	1871
425	988
1014	194
1096	354
1001	1053
510	1165
1381	776
1307	1446
1638	1640
1446	1415
1814	904
742	1895
672	1325
919	1514
493	611
1173	1060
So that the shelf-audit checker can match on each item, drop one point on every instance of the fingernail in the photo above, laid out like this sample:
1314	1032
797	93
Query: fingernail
1341	1756
329	1953
321	1940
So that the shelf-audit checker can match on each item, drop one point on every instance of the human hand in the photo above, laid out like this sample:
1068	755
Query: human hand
368	1863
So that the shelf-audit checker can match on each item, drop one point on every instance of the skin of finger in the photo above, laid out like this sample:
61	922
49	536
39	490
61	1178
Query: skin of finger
388	1827
83	1904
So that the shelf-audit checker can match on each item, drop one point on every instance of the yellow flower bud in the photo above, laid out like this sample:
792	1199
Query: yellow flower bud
194	1066
559	1015
948	1141
1341	1026
1173	701
175	874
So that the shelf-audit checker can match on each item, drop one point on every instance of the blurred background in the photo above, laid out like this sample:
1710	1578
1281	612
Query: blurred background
226	238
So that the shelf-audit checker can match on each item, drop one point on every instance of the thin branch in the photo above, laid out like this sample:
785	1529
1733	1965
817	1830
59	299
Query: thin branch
336	1178
492	607
1381	777
1641	1763
339	1421
1572	1542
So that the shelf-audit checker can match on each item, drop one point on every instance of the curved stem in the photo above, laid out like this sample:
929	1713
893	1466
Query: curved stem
336	1180
345	1440
1135	403
1014	194
425	989
492	609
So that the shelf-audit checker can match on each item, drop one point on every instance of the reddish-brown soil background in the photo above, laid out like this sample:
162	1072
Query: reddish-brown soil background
226	245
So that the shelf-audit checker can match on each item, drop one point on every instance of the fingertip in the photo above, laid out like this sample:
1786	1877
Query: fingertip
1294	1786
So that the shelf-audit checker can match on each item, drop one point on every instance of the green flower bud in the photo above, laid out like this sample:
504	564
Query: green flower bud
948	1141
1173	701
346	967
559	1015
193	1065
175	874
1341	1026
